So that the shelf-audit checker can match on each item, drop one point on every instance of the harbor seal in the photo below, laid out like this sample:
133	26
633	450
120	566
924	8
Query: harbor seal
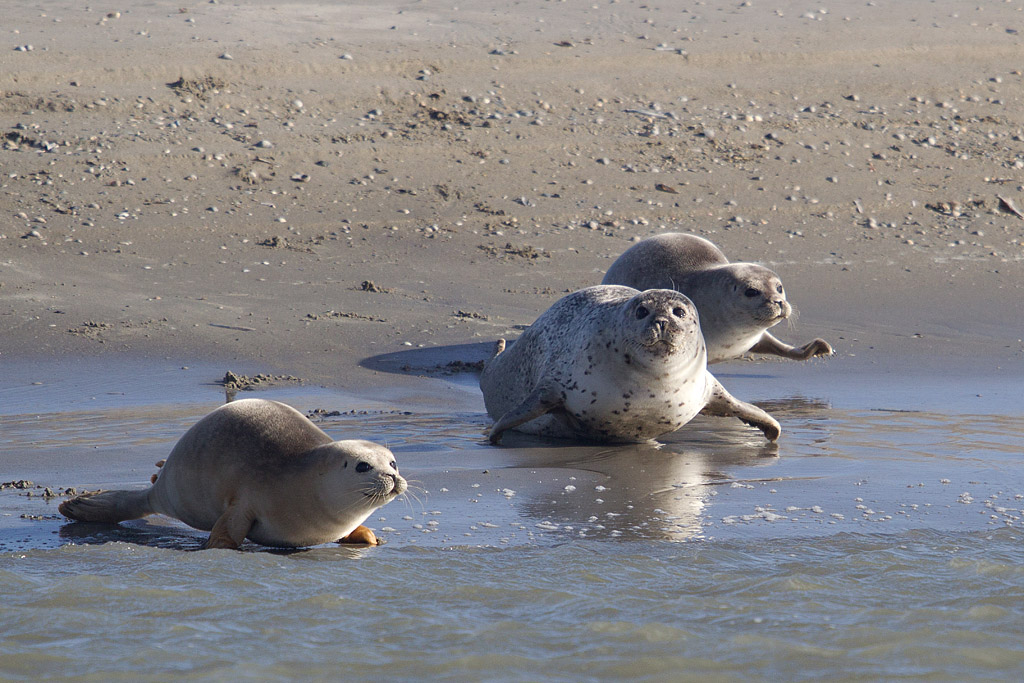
261	470
737	302
609	363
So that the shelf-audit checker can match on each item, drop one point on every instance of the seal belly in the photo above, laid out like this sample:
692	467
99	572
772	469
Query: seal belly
300	530
638	406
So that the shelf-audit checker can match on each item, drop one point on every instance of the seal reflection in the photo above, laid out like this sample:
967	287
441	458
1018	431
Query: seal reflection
642	491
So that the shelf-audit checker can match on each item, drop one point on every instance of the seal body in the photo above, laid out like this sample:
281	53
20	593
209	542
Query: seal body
737	302
261	470
609	363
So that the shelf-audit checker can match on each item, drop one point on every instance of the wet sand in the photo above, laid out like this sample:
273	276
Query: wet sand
919	462
306	186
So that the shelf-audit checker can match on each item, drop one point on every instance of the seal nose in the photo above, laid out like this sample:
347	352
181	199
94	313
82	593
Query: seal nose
397	483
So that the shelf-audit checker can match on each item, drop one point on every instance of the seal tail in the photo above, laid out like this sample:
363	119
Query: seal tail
108	506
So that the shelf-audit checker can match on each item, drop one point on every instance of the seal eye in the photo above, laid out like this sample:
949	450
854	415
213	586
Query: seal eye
394	465
679	312
363	467
778	288
641	313
751	292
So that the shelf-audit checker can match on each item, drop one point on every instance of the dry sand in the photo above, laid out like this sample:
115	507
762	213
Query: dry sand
303	186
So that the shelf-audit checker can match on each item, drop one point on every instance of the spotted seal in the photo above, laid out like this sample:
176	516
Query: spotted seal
737	302
609	363
261	470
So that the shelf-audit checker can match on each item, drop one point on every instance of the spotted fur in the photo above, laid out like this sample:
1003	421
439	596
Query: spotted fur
609	363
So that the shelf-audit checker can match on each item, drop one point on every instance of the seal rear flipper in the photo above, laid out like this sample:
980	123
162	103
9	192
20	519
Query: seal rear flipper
541	401
230	529
109	507
771	345
722	404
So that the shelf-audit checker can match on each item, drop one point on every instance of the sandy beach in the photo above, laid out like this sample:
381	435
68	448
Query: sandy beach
306	186
357	199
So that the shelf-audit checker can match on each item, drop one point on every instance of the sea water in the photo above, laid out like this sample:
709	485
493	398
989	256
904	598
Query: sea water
882	538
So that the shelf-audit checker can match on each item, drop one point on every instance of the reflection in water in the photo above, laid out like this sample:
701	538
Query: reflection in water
642	490
403	430
163	532
156	531
660	490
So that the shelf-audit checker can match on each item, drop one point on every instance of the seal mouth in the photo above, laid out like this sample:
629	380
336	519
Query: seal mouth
660	340
388	486
774	311
665	340
658	347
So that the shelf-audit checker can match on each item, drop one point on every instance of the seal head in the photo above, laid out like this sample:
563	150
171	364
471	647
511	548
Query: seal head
659	324
738	302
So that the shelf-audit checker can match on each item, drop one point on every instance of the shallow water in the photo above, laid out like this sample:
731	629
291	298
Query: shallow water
883	538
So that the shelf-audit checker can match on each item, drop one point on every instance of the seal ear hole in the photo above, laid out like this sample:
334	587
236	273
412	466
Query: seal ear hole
363	467
679	312
641	312
752	292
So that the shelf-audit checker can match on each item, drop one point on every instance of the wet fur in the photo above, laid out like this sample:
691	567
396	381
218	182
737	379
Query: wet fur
262	470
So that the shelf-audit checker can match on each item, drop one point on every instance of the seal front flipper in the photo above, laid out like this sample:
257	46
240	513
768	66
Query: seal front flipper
818	347
361	535
541	401
773	346
230	529
722	404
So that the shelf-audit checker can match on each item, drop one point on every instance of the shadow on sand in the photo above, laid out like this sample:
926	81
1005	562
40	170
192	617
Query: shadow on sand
434	360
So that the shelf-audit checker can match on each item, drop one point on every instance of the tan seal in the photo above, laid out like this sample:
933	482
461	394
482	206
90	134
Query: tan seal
737	302
261	470
609	363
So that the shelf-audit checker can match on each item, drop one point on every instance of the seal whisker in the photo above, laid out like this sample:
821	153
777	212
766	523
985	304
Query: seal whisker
410	496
